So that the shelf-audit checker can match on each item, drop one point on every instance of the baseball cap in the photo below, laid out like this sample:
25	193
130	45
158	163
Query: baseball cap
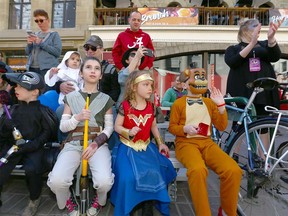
28	80
126	56
95	41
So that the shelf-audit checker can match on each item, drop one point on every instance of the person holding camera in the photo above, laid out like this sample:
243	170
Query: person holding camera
133	37
43	47
131	60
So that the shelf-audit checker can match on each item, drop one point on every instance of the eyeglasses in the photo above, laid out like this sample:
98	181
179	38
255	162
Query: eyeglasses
132	55
39	20
87	47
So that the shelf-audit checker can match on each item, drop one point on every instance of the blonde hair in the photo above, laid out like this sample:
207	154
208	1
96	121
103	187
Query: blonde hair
246	28
130	84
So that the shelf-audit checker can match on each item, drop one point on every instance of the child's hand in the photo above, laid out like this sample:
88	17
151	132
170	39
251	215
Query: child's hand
54	70
90	150
83	115
164	149
190	130
216	96
134	131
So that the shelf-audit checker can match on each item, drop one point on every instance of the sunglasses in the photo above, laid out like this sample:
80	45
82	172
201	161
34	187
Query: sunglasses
39	20
132	55
87	47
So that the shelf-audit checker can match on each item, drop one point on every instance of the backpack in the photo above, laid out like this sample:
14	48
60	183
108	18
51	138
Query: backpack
108	68
53	122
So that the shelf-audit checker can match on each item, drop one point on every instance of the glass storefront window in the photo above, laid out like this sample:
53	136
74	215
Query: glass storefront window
19	14
64	13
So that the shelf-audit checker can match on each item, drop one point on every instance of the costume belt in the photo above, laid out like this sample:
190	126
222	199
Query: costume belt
78	134
139	145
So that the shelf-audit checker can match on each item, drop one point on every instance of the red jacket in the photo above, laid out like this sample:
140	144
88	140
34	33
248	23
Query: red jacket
129	39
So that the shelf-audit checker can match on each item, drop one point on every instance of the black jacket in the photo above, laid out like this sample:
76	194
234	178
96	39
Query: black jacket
239	74
30	121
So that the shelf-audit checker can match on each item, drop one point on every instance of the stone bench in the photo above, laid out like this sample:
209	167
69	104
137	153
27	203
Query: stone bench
181	176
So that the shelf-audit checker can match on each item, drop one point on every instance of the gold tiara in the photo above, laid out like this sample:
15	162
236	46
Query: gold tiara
142	78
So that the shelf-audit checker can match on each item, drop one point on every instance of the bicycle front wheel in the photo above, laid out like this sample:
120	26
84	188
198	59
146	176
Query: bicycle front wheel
261	193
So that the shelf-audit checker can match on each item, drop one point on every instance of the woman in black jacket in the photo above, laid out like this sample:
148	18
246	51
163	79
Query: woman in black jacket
251	59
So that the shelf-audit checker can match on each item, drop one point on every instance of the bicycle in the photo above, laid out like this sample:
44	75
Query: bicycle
262	191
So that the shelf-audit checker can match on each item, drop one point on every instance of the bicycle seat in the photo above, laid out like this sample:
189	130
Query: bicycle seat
266	83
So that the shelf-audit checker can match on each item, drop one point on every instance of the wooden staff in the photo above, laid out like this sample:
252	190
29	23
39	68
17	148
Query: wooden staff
84	181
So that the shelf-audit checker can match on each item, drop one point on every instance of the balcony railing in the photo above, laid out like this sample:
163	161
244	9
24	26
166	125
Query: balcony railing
207	15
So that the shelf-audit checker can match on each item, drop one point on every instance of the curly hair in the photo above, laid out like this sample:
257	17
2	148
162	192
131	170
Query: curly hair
129	94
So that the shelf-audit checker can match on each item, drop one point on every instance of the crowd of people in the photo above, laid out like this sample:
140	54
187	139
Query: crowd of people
121	118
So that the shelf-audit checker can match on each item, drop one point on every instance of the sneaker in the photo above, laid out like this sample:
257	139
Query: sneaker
72	207
221	212
95	207
32	207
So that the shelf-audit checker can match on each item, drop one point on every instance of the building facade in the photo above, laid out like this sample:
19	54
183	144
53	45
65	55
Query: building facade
176	46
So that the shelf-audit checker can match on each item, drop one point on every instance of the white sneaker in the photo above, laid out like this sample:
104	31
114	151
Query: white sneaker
95	207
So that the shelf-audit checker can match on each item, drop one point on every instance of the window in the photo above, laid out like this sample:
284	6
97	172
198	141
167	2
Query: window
64	12
19	14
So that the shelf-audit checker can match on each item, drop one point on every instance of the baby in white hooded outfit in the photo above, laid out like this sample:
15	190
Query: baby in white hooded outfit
67	70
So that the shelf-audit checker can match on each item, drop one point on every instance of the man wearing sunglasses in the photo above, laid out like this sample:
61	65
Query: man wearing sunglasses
133	37
43	47
109	82
93	47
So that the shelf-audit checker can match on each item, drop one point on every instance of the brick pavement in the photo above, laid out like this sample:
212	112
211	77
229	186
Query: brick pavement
15	198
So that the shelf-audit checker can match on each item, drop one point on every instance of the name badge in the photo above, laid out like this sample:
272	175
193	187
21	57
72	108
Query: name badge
254	64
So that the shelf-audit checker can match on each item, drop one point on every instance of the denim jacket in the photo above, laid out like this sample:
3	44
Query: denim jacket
50	51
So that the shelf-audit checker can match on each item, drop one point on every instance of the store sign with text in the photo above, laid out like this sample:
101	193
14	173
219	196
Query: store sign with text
169	16
278	14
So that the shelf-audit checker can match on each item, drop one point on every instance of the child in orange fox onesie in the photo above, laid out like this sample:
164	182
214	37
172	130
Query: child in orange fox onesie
190	120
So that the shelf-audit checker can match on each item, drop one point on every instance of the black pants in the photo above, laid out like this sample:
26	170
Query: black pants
32	164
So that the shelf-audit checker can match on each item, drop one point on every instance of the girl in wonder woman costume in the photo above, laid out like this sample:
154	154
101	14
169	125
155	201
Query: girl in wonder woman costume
141	172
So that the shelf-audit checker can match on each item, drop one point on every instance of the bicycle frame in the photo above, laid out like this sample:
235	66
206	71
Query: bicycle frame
244	119
278	160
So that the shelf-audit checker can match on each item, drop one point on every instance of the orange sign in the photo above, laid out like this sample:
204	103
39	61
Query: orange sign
169	16
17	63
